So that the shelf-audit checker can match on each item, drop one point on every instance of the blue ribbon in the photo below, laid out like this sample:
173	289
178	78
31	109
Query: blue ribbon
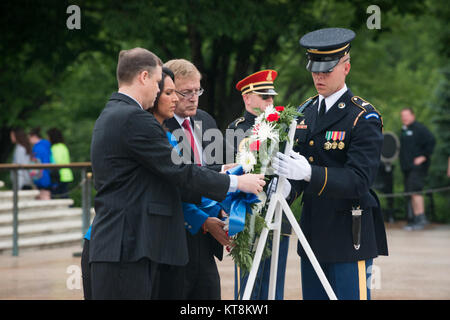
237	204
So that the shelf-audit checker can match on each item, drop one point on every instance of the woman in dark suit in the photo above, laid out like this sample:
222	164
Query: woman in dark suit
198	218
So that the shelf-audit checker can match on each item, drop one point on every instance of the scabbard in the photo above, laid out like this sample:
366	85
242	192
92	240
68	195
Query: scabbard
356	228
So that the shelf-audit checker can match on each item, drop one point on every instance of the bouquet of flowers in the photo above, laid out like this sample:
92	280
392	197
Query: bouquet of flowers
255	154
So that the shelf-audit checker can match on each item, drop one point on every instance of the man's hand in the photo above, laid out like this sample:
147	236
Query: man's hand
419	160
215	227
251	183
294	166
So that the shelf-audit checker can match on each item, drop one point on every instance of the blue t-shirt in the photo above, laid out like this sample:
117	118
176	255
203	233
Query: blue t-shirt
43	153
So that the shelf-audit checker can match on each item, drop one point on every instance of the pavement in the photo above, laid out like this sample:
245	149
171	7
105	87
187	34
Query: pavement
418	267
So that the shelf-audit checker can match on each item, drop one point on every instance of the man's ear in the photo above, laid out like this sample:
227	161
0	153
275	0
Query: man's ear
246	98
347	67
142	77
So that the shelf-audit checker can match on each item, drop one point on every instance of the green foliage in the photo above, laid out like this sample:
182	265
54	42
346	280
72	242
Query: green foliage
243	250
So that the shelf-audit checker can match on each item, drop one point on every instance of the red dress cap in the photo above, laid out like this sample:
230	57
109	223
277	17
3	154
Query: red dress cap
260	82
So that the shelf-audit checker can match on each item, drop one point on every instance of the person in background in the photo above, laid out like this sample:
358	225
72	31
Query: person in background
61	155
416	146
22	155
41	154
448	167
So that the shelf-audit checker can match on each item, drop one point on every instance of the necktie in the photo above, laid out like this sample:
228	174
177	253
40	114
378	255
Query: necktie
322	109
190	136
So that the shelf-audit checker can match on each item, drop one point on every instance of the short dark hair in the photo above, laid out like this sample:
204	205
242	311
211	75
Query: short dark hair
409	109
166	72
36	131
55	136
134	61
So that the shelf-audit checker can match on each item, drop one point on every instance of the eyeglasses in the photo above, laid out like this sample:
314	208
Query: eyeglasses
188	94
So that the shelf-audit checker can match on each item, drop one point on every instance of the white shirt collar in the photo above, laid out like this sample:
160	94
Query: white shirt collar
181	120
196	139
331	100
132	98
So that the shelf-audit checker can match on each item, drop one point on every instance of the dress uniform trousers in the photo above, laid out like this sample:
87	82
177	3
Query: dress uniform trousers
349	280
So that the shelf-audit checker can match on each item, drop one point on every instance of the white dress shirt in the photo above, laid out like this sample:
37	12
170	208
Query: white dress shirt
330	100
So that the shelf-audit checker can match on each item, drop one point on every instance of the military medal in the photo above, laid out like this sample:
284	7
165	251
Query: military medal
338	140
341	144
327	145
334	137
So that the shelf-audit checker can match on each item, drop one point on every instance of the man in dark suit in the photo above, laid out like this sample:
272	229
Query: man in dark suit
199	279
138	222
339	139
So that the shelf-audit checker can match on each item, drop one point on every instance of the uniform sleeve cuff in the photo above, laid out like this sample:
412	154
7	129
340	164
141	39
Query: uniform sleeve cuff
319	178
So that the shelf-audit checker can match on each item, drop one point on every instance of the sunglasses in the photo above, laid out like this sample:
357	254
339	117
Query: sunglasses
265	96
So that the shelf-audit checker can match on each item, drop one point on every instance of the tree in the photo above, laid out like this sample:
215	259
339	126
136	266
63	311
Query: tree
36	47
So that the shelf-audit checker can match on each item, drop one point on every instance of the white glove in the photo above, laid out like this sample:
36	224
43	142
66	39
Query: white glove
294	166
273	184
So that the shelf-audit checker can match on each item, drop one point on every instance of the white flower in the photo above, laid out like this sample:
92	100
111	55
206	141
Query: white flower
247	160
269	110
257	207
260	118
266	131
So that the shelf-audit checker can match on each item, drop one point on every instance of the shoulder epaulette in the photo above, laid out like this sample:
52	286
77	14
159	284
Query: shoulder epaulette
305	104
234	124
367	108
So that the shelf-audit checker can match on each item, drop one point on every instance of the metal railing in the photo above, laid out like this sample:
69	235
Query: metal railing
86	181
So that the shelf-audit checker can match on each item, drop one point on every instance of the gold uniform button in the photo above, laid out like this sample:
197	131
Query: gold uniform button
311	159
311	142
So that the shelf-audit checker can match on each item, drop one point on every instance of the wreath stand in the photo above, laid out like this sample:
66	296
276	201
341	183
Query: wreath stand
277	206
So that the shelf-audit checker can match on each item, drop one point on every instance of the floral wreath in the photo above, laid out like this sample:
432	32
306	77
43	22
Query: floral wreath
268	135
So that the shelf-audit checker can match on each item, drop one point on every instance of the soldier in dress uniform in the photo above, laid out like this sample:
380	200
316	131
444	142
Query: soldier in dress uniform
257	93
334	163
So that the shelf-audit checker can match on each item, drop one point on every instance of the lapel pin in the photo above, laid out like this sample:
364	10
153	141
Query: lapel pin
341	105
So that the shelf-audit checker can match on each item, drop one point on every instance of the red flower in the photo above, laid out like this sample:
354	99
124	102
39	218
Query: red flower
273	117
279	108
254	146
